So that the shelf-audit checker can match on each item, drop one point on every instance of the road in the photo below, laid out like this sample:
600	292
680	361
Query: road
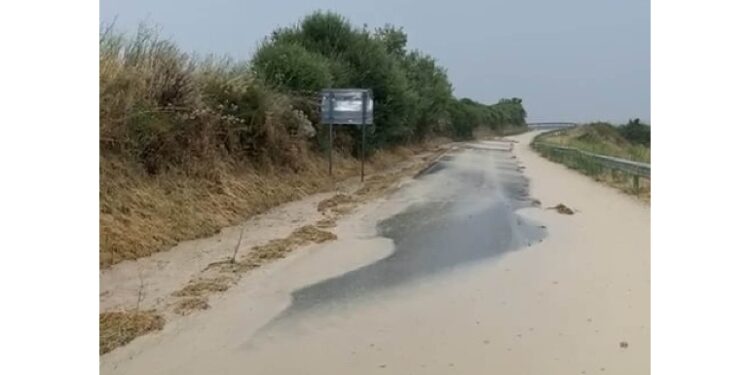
457	272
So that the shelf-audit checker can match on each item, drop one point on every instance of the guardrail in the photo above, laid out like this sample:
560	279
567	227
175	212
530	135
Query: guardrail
551	125
593	163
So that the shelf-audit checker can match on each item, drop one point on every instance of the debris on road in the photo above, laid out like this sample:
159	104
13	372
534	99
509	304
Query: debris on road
562	209
326	223
190	305
203	286
334	201
118	328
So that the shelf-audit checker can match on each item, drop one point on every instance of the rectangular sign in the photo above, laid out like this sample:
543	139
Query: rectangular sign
345	106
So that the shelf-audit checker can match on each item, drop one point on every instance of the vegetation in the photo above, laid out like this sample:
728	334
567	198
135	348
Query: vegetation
413	95
636	132
189	145
630	141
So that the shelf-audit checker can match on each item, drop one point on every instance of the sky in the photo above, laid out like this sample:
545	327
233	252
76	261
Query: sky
571	60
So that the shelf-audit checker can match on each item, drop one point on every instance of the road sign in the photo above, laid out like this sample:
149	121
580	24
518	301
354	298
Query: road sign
346	107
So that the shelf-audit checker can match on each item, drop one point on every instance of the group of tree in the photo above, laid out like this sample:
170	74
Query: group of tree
413	96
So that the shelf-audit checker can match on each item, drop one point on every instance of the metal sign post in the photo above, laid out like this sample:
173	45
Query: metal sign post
347	107
330	134
365	98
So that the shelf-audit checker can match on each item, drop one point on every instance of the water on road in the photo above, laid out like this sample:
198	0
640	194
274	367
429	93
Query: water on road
463	211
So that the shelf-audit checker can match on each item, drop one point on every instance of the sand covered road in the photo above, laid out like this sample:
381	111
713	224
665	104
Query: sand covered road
577	302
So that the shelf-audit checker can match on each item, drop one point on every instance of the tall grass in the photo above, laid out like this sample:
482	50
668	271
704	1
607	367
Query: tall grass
163	109
600	138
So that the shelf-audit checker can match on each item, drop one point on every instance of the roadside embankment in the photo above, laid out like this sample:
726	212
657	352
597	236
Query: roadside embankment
142	214
579	147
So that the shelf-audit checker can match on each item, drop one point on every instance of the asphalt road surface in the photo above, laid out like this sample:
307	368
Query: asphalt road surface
457	272
466	214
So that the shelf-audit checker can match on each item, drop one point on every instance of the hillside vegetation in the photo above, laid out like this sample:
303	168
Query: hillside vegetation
631	141
192	144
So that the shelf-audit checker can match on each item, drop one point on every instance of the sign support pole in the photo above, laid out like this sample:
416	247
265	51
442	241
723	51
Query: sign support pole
330	135
365	100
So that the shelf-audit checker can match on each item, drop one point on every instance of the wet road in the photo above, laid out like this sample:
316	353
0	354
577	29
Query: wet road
442	295
463	212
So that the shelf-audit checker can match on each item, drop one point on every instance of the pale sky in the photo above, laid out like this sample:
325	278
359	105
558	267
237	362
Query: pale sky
572	60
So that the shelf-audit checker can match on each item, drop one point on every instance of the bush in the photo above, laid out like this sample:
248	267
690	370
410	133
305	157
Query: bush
636	132
292	67
413	96
433	93
164	110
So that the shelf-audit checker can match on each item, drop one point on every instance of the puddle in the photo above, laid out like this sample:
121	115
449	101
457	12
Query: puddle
469	216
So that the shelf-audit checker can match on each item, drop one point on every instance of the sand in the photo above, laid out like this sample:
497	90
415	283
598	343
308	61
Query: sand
578	302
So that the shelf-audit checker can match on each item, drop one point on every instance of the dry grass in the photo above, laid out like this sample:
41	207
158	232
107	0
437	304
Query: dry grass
142	214
380	185
334	201
599	139
328	222
279	248
309	233
117	328
232	267
202	287
190	305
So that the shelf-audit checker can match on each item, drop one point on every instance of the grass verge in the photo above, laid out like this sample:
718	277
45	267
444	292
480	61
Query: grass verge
598	138
601	139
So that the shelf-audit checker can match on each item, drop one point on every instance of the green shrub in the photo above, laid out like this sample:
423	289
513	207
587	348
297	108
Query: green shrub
412	93
293	67
433	91
636	132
